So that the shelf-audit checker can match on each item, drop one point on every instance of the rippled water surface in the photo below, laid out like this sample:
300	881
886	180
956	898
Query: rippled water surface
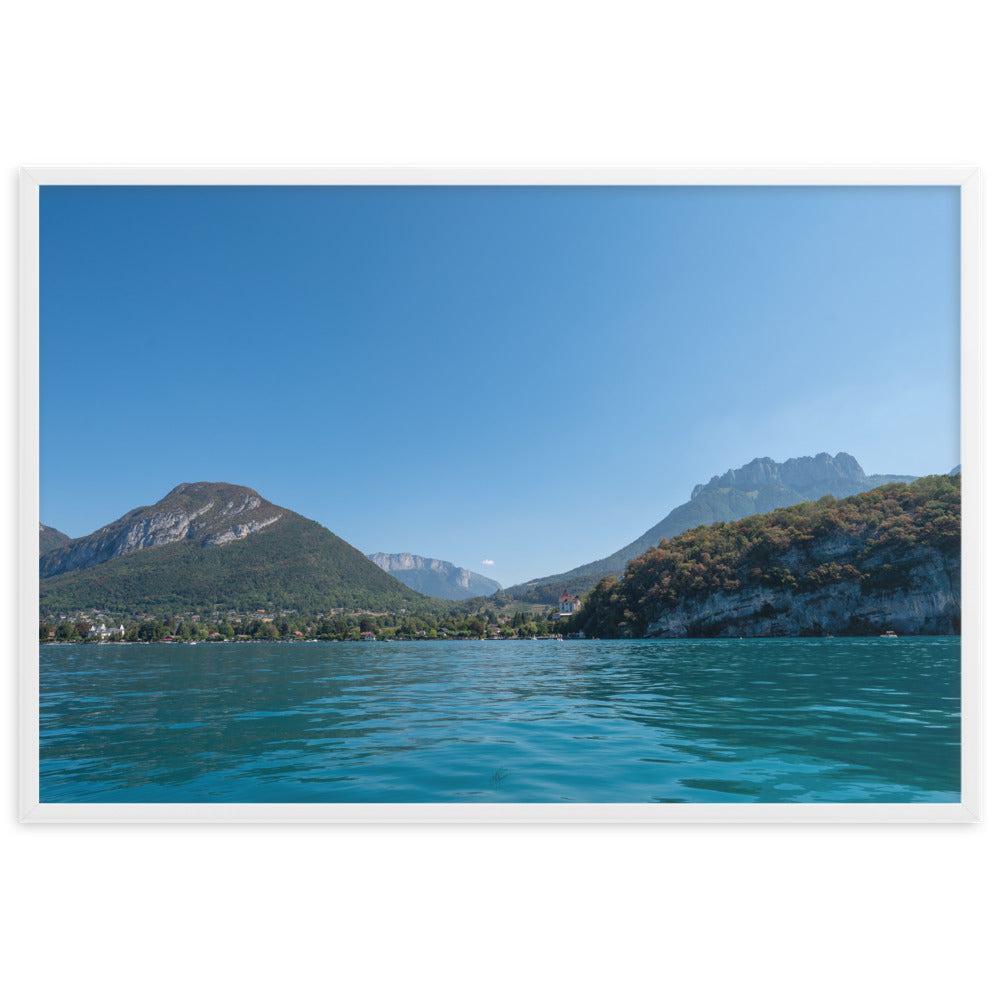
770	720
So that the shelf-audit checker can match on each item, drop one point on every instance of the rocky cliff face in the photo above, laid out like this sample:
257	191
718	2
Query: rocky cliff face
399	561
797	473
435	577
209	514
929	603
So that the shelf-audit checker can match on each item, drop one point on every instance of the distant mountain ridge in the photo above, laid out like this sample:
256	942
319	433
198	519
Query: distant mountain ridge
803	474
215	545
758	487
435	577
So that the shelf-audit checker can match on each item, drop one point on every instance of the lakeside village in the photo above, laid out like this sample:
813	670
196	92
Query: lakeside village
489	621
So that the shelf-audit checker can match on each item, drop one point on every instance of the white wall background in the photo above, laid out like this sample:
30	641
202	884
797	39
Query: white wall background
492	912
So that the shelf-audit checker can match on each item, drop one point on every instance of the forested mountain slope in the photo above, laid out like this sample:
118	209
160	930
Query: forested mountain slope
885	559
215	546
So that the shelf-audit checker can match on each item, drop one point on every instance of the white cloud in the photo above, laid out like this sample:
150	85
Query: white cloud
487	562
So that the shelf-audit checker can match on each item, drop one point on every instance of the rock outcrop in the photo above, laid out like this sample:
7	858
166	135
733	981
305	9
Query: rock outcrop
804	474
930	603
209	514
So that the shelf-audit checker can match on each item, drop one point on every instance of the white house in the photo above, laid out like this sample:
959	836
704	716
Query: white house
568	605
102	632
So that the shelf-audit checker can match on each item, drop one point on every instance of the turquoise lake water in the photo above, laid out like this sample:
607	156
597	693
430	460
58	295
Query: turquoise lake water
714	720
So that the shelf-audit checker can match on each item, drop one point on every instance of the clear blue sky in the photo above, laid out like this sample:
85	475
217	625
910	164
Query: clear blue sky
532	376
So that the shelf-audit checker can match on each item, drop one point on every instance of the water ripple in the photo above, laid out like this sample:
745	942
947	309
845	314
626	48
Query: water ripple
690	720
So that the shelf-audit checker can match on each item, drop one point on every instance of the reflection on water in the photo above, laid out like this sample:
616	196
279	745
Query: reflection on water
774	720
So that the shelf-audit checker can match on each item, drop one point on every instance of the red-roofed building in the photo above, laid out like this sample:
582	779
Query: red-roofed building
567	604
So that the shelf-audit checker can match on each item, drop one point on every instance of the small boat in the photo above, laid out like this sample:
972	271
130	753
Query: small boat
888	634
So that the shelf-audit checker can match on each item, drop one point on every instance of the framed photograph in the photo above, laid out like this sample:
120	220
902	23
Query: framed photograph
500	495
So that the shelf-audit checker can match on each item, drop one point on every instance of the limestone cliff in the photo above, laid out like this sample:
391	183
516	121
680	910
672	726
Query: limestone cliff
929	603
435	577
885	559
829	473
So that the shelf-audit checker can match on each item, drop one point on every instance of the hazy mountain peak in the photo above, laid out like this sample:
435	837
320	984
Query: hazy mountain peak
795	472
435	577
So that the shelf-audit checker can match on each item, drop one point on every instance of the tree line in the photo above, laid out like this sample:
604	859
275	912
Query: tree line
345	627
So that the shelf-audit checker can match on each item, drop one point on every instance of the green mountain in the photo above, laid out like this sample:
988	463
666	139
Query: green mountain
758	487
885	559
435	577
215	546
49	538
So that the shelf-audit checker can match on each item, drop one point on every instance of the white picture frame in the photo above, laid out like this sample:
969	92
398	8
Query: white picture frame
31	810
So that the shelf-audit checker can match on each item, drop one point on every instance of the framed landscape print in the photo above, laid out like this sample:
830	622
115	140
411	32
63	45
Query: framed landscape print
500	495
